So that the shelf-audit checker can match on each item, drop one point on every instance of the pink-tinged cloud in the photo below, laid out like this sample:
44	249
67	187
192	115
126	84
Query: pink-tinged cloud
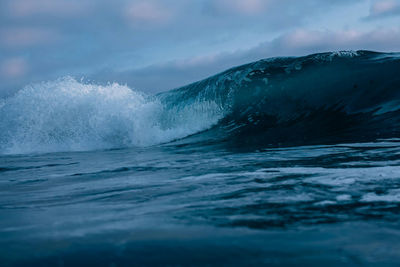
242	7
315	41
296	43
384	8
13	68
66	8
148	12
381	7
307	38
23	37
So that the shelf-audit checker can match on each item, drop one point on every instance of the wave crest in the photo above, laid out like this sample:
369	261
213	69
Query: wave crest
67	115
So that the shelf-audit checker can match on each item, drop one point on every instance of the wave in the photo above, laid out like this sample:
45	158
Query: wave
320	98
67	115
317	99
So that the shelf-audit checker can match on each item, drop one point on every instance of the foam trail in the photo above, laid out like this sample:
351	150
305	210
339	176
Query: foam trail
66	115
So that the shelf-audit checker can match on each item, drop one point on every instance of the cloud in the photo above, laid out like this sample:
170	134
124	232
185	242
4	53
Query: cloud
147	12
24	8
284	9
242	7
303	41
13	68
27	36
384	8
176	73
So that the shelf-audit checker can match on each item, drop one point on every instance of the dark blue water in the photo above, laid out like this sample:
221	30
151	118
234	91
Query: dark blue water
282	162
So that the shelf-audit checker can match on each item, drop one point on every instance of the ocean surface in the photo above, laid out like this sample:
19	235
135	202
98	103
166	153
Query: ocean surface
280	162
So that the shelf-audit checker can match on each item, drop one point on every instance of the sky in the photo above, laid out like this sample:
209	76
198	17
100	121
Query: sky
156	45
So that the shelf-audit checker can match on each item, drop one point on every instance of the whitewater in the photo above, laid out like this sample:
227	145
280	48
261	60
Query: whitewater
66	115
283	161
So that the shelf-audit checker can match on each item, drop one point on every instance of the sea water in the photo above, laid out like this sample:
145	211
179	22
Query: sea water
301	170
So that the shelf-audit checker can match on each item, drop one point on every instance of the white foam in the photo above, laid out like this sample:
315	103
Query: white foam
325	203
343	197
391	196
67	115
350	53
343	178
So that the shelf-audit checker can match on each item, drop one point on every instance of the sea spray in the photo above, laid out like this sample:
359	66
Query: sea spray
67	115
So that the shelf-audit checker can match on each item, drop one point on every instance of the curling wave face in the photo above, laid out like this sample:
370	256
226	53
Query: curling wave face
318	99
321	98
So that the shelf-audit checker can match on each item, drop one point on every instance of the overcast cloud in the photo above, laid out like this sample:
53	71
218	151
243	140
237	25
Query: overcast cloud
155	45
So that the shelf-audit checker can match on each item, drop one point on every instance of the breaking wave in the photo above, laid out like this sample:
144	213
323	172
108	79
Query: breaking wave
67	115
321	98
